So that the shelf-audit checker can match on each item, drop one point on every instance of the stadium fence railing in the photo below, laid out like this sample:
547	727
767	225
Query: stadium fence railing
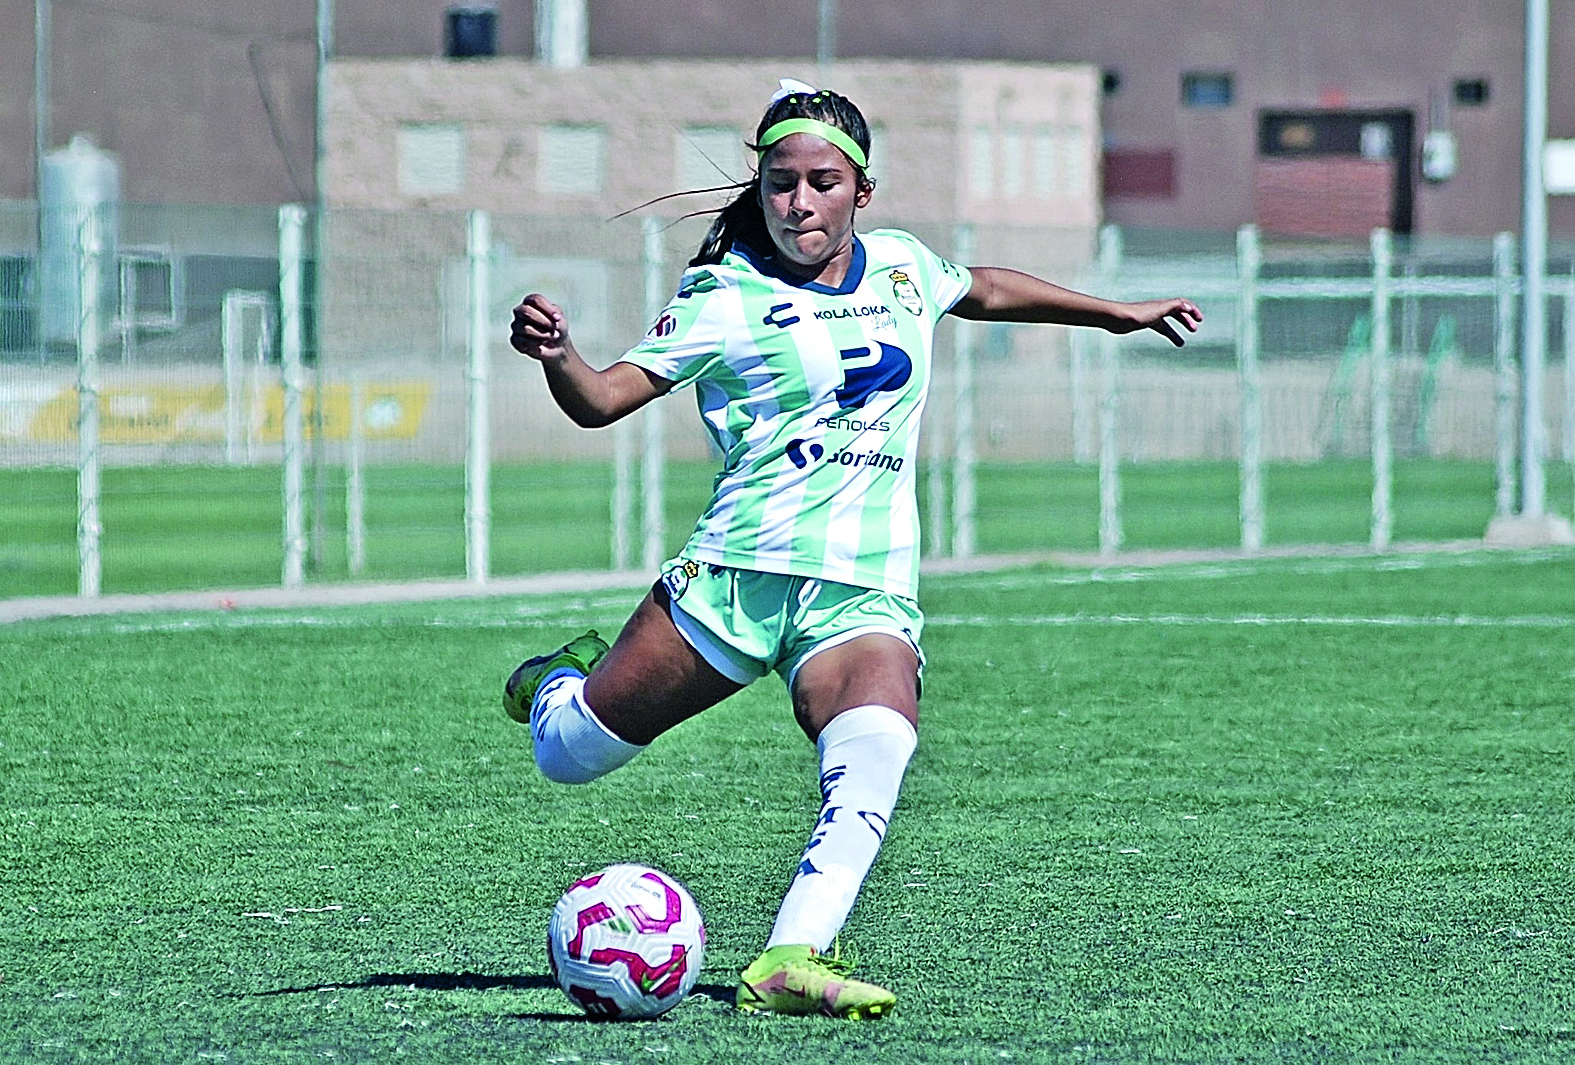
197	397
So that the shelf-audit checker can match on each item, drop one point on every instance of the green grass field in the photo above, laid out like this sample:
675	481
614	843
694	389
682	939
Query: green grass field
170	528
1315	810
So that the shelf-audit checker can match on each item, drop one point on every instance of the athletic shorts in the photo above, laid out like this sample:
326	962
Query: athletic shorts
746	624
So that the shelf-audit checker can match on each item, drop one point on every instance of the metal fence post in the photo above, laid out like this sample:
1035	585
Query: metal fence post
1077	383
1534	265
623	494
1569	370
292	224
478	442
355	483
1504	374
964	489
939	523
1109	403
1249	260
653	462
1382	446
89	327
1569	376
232	329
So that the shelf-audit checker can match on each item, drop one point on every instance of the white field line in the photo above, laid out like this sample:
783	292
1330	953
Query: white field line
207	611
612	615
543	620
1418	621
604	610
1224	569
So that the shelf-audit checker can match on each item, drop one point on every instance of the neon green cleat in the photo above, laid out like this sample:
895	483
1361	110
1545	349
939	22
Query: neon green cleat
580	654
795	979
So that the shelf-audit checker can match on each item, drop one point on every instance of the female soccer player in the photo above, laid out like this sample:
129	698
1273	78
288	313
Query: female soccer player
809	345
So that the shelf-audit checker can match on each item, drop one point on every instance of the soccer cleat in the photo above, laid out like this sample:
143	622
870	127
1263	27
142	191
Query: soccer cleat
580	654
795	979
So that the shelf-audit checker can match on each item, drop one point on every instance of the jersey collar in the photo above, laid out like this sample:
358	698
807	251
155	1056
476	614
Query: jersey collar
771	266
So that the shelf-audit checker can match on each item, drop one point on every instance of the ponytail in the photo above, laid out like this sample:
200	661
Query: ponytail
741	221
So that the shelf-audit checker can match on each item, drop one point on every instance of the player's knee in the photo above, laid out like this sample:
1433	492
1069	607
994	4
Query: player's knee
560	767
572	746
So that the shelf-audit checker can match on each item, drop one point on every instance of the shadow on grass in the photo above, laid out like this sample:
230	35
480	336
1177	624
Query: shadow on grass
473	982
422	982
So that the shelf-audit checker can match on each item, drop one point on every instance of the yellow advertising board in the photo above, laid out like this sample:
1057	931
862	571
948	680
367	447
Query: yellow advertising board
174	414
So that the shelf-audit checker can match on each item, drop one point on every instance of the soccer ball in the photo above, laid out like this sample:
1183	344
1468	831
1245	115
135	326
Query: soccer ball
626	942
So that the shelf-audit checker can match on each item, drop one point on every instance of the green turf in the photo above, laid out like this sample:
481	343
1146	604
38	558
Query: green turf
1282	811
169	528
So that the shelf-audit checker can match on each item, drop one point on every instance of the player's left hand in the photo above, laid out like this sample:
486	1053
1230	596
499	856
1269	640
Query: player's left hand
1159	315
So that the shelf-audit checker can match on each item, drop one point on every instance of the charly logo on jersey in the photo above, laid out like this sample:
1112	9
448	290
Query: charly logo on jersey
774	316
906	292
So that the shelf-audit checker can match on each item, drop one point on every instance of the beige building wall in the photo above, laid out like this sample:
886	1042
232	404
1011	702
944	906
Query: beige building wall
555	154
1001	144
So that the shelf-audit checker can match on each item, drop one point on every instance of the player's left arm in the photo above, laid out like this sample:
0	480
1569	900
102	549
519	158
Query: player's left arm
1001	295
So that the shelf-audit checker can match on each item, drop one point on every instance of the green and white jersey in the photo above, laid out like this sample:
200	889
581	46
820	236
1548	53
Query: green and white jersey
813	396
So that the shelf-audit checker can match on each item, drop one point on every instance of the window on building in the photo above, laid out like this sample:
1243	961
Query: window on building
572	160
709	156
1075	161
981	161
1208	89
431	158
1046	177
1013	162
1470	92
1110	81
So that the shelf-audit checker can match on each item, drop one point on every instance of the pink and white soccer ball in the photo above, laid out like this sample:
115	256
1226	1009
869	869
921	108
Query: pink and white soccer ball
626	942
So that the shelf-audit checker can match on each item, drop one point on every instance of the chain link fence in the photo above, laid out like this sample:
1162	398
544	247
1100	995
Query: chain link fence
215	397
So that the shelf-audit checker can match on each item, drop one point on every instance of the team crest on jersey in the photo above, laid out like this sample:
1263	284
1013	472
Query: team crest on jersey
676	580
906	292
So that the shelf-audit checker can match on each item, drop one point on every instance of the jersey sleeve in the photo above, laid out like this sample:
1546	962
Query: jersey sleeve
687	338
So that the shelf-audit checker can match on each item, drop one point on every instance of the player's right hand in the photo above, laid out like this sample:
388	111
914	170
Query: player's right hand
540	331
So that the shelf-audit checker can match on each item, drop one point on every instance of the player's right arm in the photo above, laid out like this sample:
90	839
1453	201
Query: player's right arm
591	398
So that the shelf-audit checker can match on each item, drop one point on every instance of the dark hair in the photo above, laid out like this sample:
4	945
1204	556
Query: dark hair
742	220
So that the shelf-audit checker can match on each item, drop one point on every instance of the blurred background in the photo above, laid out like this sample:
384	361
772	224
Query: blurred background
256	265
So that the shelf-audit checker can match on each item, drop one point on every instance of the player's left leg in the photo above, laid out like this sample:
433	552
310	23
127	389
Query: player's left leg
858	701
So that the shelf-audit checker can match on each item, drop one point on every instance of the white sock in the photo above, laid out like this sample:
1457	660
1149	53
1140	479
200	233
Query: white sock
863	754
572	745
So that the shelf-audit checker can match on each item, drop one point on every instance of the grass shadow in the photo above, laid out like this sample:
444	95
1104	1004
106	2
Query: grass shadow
423	982
475	982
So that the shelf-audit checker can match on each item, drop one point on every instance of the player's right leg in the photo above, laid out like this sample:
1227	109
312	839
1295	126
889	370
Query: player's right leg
592	708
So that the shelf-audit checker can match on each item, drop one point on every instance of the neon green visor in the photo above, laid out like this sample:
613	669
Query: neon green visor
824	130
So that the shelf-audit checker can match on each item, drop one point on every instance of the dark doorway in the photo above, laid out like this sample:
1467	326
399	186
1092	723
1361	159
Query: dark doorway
1335	173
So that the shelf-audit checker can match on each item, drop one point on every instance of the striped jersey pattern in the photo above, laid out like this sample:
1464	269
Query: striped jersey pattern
813	397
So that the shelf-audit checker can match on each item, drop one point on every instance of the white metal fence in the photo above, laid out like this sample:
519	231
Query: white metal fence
333	348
